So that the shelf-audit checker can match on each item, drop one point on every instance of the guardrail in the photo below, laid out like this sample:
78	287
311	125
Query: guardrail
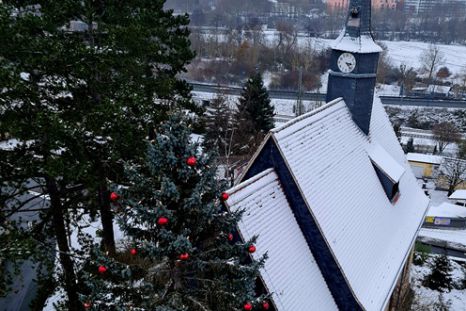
236	90
320	97
423	102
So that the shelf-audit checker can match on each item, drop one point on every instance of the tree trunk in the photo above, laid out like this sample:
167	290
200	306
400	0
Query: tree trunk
106	216
451	189
58	221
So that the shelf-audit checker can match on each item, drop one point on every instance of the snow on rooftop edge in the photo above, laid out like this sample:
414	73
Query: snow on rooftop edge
447	210
458	195
424	158
361	44
324	108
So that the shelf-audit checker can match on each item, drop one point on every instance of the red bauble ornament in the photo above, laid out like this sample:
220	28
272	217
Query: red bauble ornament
87	305
265	305
247	306
114	196
191	161
102	269
251	249
133	251
224	196
230	237
162	221
184	256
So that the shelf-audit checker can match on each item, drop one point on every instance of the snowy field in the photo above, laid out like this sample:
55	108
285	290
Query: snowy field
399	52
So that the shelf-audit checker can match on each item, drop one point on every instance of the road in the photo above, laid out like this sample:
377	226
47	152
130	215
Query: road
423	102
294	95
236	90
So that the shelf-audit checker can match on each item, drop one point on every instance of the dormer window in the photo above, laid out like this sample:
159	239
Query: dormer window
388	170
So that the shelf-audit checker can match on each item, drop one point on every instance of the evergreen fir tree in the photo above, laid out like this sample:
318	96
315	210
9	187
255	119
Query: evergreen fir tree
440	277
81	101
254	117
180	253
218	126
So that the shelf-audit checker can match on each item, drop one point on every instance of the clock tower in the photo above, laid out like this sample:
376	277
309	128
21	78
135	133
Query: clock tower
353	64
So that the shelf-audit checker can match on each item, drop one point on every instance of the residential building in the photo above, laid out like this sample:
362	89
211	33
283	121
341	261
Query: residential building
424	165
331	196
335	5
425	6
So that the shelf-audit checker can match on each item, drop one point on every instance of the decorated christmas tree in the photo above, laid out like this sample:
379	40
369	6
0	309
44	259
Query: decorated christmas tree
180	251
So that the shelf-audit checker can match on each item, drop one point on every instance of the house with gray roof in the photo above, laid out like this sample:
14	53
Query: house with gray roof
331	195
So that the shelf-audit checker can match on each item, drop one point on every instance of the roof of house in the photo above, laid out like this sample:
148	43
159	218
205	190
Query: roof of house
332	162
361	44
424	158
290	272
447	210
458	195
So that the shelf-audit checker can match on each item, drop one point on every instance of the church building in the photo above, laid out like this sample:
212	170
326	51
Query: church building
330	194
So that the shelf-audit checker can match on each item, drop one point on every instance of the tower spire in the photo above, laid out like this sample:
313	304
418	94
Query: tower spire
358	21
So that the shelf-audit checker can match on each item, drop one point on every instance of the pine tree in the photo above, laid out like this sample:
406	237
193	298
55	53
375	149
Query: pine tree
254	117
180	253
440	277
80	100
218	126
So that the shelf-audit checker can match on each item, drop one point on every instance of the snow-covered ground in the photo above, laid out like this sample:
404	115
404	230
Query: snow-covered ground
427	299
399	52
387	90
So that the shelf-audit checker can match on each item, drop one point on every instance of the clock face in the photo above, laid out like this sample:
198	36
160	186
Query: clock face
346	62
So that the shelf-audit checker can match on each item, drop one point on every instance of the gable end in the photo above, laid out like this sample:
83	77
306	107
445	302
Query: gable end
270	156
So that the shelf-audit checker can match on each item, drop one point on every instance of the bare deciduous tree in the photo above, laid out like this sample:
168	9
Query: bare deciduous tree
453	171
407	78
445	133
431	59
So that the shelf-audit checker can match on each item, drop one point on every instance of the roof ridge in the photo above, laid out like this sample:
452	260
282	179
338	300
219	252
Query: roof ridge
250	181
307	115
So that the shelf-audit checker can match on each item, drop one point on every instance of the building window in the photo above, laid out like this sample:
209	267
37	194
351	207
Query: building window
391	188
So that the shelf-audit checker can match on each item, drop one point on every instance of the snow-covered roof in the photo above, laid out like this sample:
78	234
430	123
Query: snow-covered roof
424	158
329	159
441	89
447	210
458	195
290	272
361	44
